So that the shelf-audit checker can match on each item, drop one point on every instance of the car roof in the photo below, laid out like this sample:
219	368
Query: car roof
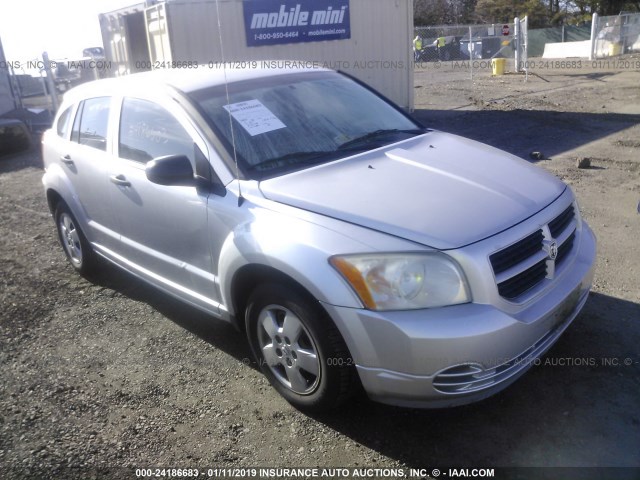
188	79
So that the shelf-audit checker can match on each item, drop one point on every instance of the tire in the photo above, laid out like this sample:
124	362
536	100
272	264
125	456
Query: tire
299	349
74	243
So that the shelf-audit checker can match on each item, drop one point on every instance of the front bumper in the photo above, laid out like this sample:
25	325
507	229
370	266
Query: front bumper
461	354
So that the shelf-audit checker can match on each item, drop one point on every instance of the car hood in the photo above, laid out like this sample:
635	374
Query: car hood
437	189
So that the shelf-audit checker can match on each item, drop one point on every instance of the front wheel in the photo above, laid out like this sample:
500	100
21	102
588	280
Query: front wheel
299	349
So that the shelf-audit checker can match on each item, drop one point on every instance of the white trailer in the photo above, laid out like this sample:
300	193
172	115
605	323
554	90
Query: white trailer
124	36
376	49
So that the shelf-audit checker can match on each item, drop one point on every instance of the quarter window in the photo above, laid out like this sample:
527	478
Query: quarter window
62	127
148	131
75	131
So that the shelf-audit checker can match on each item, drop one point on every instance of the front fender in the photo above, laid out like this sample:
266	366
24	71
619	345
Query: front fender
295	247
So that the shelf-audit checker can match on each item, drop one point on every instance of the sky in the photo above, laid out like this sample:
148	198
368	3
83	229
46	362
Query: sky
63	28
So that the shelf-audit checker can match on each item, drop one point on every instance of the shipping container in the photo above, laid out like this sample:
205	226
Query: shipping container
124	36
170	33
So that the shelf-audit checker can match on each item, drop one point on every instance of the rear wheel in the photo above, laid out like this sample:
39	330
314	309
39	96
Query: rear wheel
74	243
299	349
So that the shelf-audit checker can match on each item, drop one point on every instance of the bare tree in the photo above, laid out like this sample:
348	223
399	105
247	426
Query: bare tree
444	12
490	11
541	13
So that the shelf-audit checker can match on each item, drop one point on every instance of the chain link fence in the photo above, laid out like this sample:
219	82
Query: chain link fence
616	35
539	37
464	42
472	47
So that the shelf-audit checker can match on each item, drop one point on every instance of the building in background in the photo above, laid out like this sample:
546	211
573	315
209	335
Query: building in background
340	34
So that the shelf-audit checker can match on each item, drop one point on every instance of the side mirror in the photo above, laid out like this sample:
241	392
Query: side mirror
172	170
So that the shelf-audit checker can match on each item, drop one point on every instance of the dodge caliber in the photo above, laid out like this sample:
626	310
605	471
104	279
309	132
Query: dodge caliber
354	247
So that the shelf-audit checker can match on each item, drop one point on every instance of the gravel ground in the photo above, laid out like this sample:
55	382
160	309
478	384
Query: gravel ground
102	376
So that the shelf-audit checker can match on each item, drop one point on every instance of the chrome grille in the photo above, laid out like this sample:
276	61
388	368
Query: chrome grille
565	248
516	253
516	286
523	265
558	224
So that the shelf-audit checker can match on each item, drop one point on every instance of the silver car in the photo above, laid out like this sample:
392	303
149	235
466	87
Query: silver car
351	244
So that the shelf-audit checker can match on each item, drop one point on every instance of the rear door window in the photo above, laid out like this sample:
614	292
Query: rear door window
90	126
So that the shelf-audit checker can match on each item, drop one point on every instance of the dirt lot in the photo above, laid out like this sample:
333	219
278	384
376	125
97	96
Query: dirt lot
100	377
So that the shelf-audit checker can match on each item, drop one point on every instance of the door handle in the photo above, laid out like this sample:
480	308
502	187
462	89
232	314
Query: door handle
66	159
120	180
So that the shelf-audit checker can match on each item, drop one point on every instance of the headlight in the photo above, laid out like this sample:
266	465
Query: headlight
403	281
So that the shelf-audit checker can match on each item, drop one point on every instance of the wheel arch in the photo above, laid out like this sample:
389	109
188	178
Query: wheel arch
248	277
54	199
335	382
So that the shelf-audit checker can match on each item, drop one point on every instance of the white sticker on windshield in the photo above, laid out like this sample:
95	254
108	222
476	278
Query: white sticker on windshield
254	117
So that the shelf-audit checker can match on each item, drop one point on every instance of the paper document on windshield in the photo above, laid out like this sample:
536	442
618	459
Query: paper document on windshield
254	117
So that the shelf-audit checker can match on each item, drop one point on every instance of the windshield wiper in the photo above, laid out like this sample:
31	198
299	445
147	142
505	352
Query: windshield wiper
306	158
378	133
294	158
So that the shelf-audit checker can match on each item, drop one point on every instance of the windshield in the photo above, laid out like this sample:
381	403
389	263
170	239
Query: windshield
287	122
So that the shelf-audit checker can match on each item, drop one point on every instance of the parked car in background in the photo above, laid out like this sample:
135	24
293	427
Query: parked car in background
93	52
65	78
352	245
450	51
71	72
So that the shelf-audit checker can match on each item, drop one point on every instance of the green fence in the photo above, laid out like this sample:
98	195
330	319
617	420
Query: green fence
541	36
